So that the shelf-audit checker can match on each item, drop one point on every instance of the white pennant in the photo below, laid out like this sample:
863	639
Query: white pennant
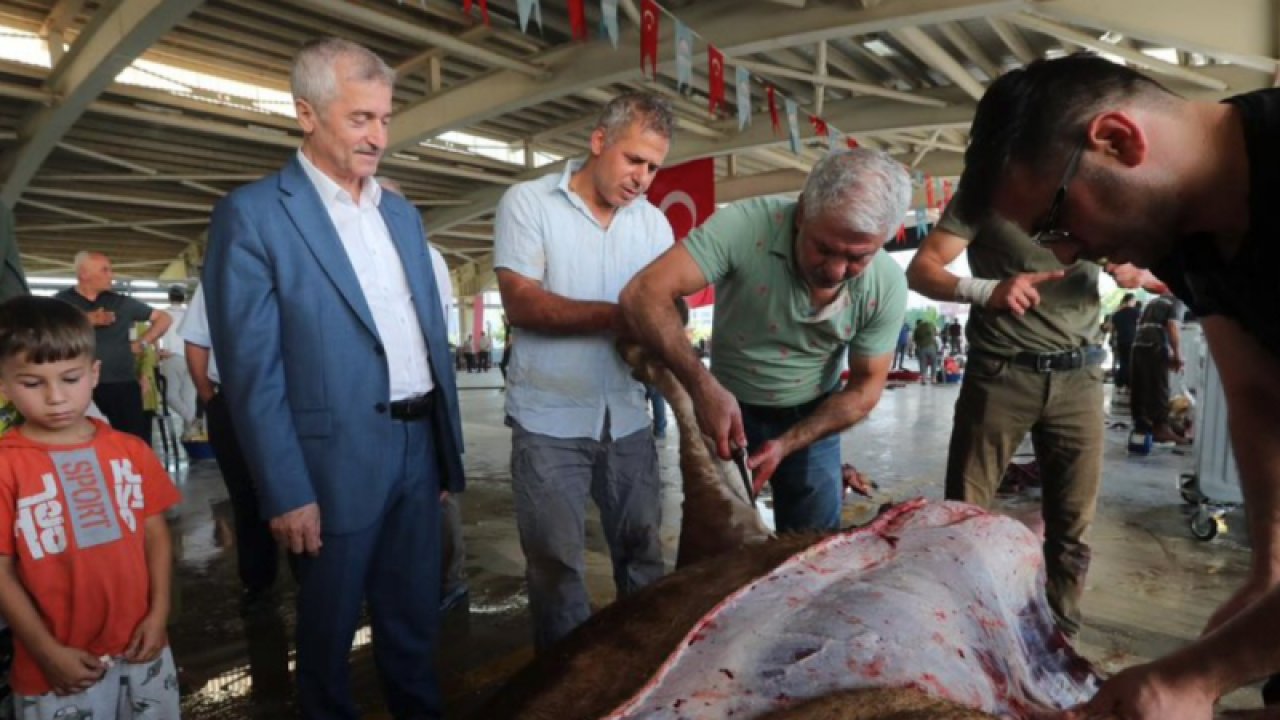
609	19
527	8
684	55
743	85
793	127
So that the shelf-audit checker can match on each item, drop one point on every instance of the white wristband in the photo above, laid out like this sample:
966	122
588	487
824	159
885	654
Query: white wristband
975	291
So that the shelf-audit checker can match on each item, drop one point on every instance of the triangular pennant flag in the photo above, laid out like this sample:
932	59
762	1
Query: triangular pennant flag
833	140
902	234
526	8
922	222
773	108
928	192
484	9
743	90
609	20
819	125
848	140
715	77
649	36
578	19
946	192
793	124
684	55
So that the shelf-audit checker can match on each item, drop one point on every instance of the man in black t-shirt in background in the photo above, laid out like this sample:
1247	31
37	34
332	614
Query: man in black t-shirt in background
1097	161
1156	351
1124	325
118	394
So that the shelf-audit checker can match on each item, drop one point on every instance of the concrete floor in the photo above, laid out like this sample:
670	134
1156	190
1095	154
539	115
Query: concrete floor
1151	585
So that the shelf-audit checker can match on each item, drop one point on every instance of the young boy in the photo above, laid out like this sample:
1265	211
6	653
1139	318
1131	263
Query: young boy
84	550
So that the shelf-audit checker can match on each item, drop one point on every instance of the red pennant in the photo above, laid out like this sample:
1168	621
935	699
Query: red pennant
819	125
946	192
649	36
484	9
902	233
715	76
928	191
773	109
848	140
578	19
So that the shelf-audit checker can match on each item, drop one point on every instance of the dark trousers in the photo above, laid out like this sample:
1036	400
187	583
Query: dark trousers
394	565
121	402
807	489
1124	353
998	404
453	550
1149	387
256	554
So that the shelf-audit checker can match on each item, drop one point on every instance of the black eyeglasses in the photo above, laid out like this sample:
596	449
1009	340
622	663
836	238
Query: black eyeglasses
1047	231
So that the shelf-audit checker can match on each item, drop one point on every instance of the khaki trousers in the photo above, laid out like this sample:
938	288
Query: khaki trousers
999	403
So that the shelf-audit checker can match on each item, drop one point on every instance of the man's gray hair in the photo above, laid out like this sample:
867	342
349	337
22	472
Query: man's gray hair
653	112
870	188
83	257
314	74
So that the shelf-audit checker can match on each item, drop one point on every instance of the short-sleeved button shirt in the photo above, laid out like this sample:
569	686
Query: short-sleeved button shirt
563	386
112	340
769	346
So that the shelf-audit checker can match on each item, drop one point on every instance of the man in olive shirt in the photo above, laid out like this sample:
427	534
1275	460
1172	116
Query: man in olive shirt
1034	366
118	394
798	285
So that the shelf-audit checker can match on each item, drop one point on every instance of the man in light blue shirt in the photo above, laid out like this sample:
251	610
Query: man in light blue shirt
565	245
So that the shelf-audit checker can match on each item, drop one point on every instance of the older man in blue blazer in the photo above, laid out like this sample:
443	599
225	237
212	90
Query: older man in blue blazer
327	325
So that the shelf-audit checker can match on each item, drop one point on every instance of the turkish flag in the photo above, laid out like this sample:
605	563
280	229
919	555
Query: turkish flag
484	9
686	194
649	35
715	76
578	19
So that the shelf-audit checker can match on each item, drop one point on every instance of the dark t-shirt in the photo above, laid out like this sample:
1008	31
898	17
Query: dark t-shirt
1243	288
1124	322
1153	330
112	340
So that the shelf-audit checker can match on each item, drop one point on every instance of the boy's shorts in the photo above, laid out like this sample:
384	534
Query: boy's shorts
128	691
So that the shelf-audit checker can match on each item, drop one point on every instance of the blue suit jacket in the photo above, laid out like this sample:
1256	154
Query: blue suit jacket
299	355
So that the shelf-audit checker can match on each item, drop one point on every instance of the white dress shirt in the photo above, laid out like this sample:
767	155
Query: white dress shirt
374	258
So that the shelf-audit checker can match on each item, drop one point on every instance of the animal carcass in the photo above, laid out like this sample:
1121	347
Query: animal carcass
934	610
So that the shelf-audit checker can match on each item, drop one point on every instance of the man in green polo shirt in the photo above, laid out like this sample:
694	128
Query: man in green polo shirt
799	285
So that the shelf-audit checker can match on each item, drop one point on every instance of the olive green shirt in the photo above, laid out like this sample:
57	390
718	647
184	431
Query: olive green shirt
768	345
1069	313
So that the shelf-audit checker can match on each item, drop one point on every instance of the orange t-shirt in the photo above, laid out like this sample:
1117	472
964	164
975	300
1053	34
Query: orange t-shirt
72	516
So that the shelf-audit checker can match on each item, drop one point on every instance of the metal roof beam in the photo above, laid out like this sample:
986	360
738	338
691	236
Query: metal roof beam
117	35
925	48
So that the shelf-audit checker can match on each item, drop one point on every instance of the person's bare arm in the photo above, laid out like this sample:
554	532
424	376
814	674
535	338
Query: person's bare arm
151	636
198	365
159	325
532	307
649	313
843	410
928	275
68	670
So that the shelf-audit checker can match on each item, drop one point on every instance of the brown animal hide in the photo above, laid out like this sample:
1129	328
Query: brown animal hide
717	516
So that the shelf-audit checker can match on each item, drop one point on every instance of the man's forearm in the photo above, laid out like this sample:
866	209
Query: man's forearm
1239	652
158	327
933	281
839	412
655	322
545	312
1258	459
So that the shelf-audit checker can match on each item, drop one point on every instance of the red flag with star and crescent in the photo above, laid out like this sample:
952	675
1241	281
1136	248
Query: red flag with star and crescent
649	36
715	77
686	195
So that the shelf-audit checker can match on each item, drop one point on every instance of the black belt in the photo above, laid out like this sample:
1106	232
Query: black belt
413	408
1065	360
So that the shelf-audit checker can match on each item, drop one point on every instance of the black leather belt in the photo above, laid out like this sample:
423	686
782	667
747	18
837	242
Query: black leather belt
1065	360
413	408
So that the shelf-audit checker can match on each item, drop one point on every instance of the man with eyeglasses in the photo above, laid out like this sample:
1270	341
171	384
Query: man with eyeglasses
1034	366
1183	188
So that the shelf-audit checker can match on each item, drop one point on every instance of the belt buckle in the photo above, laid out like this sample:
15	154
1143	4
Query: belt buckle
1044	363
